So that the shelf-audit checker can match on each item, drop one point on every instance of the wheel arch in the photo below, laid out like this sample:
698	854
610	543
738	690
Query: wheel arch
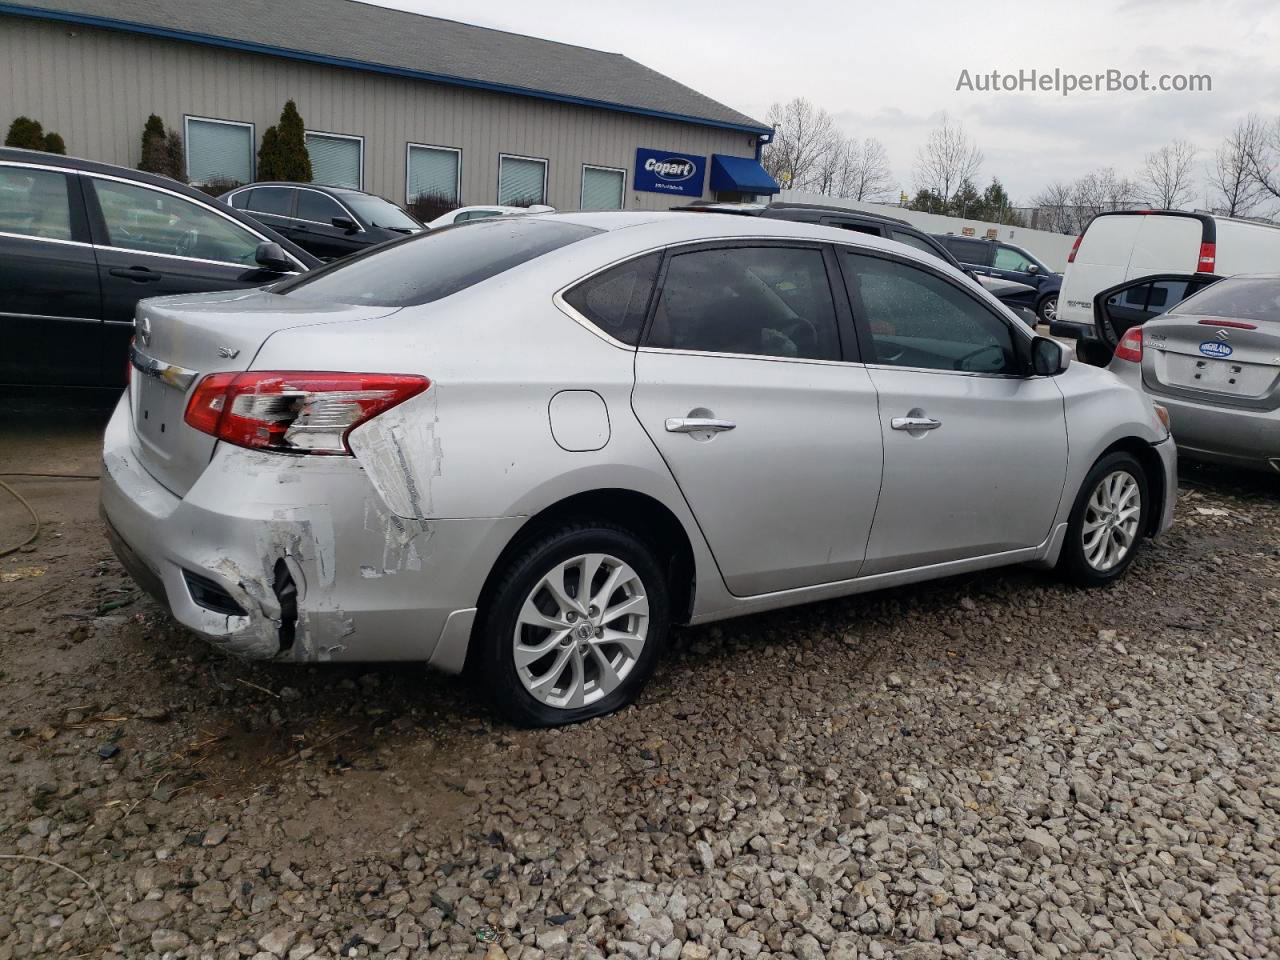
643	515
1141	451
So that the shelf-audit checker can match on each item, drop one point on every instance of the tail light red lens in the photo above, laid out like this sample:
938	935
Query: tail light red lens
1130	346
1071	257
1208	260
295	412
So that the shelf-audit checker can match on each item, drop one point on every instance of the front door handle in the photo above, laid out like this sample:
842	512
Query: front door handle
136	274
915	423
698	425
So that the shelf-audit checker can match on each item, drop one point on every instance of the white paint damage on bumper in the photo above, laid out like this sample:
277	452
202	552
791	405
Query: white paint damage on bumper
371	585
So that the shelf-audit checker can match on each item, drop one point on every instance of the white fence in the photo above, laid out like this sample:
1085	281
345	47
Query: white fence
1052	248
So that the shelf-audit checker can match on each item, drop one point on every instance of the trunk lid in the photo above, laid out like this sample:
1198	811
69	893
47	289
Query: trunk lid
1212	360
181	339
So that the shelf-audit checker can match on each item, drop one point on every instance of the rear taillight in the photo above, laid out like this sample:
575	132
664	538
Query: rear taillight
1208	258
1130	346
1071	257
290	412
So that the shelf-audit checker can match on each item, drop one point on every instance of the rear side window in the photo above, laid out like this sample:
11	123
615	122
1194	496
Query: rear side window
272	200
1243	299
437	264
969	251
617	299
241	200
911	240
853	226
34	203
763	301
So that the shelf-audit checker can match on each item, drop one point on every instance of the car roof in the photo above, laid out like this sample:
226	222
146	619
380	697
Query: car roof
318	187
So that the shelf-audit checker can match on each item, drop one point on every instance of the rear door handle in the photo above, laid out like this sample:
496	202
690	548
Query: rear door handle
915	423
698	424
136	274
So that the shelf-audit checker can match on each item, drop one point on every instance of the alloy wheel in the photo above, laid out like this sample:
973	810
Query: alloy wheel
581	630
1049	310
1111	519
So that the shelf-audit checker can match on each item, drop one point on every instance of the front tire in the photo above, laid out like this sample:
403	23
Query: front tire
1107	522
574	627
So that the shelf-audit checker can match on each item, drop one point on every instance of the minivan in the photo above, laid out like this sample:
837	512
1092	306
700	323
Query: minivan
1008	262
1123	246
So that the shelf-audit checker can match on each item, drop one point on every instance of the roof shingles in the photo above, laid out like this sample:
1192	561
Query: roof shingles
373	37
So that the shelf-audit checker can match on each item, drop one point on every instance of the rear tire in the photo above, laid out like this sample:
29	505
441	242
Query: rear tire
554	650
1047	309
1108	521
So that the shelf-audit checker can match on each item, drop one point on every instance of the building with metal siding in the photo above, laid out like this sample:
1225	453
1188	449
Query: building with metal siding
370	85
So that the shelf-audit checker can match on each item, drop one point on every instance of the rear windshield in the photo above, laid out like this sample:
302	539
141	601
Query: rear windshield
437	264
1235	298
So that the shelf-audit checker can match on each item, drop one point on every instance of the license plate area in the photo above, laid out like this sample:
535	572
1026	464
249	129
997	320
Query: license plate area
1223	376
157	413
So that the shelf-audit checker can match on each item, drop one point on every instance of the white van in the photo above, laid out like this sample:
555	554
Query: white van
1131	244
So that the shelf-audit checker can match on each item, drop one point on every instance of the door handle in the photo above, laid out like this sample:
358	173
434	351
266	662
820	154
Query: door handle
915	423
698	425
136	274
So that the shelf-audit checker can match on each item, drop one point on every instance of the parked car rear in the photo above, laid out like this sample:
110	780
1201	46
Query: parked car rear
82	242
328	222
1213	362
1127	245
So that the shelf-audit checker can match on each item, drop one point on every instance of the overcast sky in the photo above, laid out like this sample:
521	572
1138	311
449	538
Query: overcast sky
889	70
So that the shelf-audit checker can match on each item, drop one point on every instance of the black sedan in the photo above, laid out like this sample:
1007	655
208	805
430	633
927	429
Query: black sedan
330	222
82	242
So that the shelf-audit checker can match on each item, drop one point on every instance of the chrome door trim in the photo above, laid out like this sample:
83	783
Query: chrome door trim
178	256
321	223
169	373
27	236
48	316
674	351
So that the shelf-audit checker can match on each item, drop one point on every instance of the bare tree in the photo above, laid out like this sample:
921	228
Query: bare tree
798	155
1260	142
947	159
1056	209
1234	188
1101	191
1168	175
864	172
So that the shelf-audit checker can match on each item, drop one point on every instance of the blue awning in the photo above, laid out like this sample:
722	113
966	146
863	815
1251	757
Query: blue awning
740	175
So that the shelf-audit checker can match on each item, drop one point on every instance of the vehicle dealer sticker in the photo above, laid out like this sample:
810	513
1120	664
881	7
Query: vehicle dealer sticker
1212	348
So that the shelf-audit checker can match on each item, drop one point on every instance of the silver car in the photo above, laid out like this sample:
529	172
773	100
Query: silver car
1214	362
530	445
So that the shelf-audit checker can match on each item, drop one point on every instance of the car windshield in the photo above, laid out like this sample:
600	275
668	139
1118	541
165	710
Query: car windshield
380	213
434	265
1244	298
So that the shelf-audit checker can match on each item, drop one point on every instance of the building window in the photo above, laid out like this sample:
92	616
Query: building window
522	181
219	151
434	175
603	188
337	160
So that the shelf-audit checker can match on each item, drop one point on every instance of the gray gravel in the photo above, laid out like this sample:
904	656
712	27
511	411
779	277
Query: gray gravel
995	766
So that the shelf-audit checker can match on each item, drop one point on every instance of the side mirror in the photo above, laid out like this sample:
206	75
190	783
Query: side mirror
345	223
271	257
1048	357
1033	268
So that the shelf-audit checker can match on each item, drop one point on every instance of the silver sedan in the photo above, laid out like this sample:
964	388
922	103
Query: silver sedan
1214	361
529	445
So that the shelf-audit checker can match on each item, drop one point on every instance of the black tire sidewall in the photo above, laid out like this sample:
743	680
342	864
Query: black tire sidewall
1041	305
1073	562
497	670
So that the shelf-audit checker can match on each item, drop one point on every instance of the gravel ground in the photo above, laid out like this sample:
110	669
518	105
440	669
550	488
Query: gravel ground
991	766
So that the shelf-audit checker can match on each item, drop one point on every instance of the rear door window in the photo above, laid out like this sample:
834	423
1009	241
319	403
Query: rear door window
768	301
617	300
911	240
853	225
34	203
271	200
974	252
437	264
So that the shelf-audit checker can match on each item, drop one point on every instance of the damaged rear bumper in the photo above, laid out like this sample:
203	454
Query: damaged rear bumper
297	558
